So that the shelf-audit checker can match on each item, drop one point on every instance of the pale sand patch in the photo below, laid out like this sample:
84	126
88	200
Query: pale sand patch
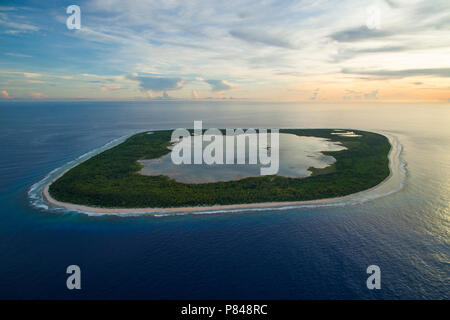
346	134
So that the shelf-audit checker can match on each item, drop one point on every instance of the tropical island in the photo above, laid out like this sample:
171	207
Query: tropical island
111	179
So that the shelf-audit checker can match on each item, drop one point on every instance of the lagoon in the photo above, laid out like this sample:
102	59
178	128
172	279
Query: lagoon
297	155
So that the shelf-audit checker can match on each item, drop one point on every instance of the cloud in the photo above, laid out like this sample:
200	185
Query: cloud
315	94
220	85
149	94
4	94
438	72
157	83
110	87
358	34
371	95
432	13
103	37
15	27
352	92
194	94
18	55
164	96
38	95
5	8
31	75
351	53
357	95
261	37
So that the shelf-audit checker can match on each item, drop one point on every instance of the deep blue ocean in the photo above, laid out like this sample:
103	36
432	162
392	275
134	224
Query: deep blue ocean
302	253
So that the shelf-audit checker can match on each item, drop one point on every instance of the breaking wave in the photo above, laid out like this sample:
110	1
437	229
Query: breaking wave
35	192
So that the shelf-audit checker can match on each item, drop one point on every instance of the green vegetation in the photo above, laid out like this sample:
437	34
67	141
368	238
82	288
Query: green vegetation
110	179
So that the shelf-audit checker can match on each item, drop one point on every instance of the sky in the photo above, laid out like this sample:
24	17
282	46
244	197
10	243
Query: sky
312	51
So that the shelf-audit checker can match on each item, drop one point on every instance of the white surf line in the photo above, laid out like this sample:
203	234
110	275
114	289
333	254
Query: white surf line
35	192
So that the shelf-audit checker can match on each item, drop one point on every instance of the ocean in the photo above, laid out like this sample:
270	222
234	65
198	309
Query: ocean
319	252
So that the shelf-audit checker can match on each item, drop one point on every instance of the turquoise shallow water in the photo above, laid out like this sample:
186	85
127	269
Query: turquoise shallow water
309	252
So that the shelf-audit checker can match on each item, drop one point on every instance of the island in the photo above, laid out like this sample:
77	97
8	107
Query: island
112	181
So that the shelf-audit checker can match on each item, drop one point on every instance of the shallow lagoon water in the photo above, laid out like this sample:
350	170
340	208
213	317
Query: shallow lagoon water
296	155
319	252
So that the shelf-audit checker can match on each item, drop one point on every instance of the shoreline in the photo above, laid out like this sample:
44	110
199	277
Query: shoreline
88	209
243	206
99	210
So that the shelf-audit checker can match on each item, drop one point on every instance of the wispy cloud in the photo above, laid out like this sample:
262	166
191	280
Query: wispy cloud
14	27
347	54
110	87
6	8
17	55
261	37
358	34
31	75
437	72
